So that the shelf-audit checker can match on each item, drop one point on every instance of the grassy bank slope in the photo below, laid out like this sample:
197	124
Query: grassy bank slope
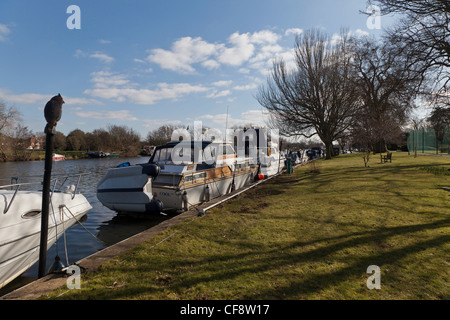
301	236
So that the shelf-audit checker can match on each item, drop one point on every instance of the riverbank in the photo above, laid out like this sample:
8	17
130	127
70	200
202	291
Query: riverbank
309	235
39	155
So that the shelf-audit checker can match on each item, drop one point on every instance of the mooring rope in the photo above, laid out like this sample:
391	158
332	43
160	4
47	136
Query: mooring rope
79	222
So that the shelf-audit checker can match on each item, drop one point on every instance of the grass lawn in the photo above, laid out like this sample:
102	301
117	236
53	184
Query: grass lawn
301	236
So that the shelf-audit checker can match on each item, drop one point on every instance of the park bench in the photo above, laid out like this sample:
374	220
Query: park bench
386	158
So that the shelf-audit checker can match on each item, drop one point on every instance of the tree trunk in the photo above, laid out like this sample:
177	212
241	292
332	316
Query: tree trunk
329	150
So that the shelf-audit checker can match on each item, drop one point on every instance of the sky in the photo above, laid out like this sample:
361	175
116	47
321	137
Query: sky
147	63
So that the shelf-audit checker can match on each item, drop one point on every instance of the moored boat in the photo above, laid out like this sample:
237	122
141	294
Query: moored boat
20	224
257	144
101	154
58	157
179	175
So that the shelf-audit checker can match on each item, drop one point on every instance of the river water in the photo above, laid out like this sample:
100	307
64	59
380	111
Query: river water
105	226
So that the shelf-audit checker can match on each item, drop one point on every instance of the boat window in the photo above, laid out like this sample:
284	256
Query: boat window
169	179
194	177
164	154
209	154
227	149
31	214
156	154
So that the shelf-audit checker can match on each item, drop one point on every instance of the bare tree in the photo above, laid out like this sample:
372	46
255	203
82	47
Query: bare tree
76	140
318	97
161	135
387	78
99	140
19	142
9	118
425	30
125	140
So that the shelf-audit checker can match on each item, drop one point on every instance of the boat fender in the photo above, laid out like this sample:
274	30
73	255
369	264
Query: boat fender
184	198
125	164
151	170
207	194
56	266
70	189
155	205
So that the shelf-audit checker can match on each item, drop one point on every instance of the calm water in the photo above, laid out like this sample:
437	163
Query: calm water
105	224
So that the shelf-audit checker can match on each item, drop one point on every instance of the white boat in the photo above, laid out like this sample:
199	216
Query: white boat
257	144
178	175
58	157
298	157
20	224
271	163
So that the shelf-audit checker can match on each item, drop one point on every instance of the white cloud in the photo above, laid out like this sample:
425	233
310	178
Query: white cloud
253	117
240	51
4	32
103	57
24	98
211	64
80	101
223	83
119	114
79	54
41	99
219	94
156	123
247	87
293	31
360	33
111	89
185	52
258	117
265	37
106	79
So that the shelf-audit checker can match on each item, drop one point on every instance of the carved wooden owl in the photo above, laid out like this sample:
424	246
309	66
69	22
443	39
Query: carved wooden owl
53	112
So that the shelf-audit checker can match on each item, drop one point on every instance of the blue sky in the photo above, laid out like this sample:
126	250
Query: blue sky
145	63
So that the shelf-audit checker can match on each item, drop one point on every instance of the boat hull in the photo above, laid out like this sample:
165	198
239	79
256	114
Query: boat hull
20	227
188	195
129	189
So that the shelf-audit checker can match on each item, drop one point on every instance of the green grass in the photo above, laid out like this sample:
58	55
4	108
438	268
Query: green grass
300	236
438	170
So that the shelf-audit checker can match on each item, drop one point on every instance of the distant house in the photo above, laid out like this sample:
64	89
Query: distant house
35	143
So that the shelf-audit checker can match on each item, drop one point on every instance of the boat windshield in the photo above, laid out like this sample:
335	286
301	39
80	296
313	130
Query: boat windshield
162	155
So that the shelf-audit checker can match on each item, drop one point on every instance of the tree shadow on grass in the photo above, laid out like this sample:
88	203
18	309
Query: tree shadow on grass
265	260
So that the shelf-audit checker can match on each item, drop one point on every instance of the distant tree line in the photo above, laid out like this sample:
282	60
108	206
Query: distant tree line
17	142
362	90
113	139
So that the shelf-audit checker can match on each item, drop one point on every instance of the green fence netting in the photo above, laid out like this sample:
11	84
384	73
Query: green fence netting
425	140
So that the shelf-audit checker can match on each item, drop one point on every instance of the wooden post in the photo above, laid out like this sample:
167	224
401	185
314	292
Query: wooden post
45	202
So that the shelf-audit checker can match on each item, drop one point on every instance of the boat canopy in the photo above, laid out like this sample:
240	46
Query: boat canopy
186	152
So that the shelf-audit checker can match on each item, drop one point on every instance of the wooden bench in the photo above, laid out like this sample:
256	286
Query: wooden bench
386	158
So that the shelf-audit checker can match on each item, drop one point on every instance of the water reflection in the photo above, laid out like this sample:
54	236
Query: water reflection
106	225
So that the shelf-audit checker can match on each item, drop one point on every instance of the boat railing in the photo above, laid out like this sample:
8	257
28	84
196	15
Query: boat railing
16	186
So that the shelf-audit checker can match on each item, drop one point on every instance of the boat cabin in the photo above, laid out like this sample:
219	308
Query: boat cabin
204	154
